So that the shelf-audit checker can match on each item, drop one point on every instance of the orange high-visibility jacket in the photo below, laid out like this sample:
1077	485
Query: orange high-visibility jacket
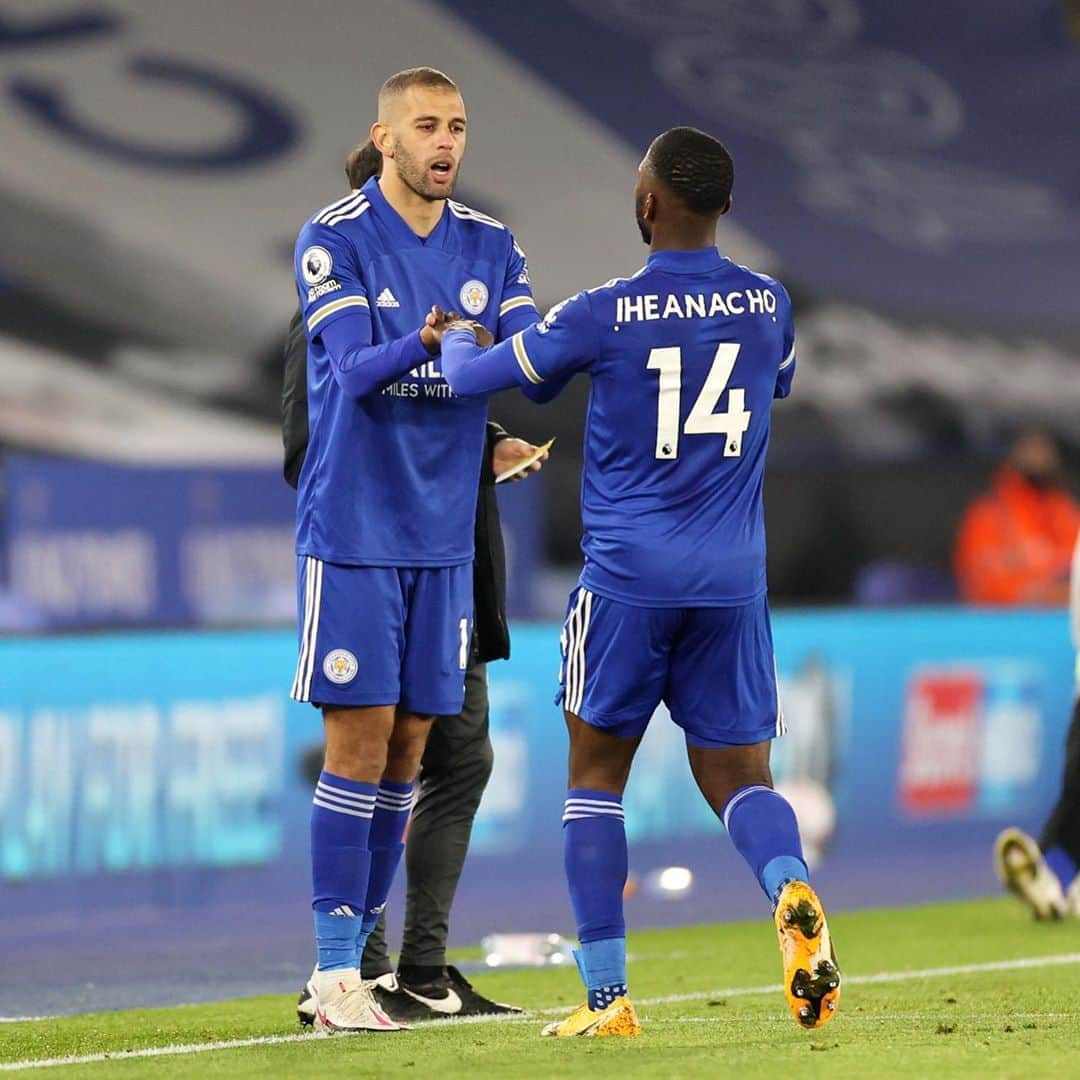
1015	543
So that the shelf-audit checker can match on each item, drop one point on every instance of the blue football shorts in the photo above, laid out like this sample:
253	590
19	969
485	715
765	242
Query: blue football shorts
713	667
380	635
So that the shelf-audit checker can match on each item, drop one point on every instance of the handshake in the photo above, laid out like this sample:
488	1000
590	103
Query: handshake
438	322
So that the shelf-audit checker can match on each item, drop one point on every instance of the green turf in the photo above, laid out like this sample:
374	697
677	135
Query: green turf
1023	1023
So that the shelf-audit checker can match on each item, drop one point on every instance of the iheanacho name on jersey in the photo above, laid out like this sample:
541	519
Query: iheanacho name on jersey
649	306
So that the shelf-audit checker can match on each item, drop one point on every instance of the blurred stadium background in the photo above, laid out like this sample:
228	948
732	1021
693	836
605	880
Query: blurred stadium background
912	173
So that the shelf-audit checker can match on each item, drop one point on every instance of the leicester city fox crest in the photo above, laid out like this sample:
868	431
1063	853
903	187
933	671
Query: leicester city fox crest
474	296
340	666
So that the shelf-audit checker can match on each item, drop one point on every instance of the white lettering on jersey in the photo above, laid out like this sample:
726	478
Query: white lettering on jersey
651	306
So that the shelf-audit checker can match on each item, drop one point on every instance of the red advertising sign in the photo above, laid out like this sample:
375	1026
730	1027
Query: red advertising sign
939	756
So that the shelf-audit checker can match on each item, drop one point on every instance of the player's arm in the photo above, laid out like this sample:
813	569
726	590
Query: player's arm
518	312
337	311
518	308
786	372
544	356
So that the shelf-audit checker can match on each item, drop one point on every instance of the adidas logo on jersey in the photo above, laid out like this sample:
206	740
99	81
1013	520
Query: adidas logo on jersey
386	299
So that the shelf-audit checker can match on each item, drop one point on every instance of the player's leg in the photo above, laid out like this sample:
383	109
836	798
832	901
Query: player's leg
1043	875
1060	840
723	693
358	720
456	767
437	625
613	672
393	804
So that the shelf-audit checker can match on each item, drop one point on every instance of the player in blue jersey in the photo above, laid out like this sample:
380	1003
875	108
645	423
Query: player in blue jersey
685	359
386	502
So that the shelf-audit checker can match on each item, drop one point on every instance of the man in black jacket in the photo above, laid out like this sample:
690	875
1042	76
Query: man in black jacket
458	758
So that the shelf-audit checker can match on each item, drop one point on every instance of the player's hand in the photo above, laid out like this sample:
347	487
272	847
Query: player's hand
484	338
483	335
435	325
508	452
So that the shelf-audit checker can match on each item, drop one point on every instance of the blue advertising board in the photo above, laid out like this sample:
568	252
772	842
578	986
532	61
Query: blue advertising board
170	772
92	544
87	544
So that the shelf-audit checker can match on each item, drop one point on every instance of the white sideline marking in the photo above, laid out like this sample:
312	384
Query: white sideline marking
864	1018
1024	963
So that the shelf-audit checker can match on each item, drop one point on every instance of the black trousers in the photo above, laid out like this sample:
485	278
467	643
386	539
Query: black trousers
1062	829
453	774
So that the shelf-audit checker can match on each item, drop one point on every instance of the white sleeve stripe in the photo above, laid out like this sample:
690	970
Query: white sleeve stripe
789	360
516	302
337	204
335	306
349	212
523	359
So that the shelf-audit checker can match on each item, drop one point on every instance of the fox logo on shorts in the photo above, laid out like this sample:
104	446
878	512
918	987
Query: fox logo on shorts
340	666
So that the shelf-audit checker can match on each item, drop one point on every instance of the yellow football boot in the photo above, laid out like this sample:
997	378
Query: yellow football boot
618	1019
811	977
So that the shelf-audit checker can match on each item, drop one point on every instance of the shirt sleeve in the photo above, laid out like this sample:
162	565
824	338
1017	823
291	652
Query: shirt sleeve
518	308
786	372
549	351
329	281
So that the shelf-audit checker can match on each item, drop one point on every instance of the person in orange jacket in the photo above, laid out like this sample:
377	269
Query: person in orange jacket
1015	542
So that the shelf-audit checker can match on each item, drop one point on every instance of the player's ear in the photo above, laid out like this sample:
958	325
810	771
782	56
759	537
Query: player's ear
383	138
727	205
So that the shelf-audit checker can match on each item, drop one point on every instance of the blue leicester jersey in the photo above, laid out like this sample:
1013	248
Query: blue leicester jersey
391	474
685	359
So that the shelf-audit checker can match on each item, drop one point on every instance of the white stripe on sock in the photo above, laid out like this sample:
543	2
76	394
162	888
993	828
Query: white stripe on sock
576	815
585	803
331	800
738	798
341	809
345	793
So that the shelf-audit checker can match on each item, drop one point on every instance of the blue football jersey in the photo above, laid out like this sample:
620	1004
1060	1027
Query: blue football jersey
390	477
685	359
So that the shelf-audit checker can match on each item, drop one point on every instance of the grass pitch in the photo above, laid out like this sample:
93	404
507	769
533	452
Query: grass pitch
947	990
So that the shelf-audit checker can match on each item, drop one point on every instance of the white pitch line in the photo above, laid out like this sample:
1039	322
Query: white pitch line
1025	963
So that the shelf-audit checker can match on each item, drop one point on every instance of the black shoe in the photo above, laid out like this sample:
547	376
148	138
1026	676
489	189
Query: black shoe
395	1002
448	993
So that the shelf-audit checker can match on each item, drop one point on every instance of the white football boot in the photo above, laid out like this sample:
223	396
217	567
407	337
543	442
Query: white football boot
343	1002
1023	871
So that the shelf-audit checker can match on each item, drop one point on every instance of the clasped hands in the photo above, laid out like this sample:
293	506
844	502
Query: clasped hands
438	322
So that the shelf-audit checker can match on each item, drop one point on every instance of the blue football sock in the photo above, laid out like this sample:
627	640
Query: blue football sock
763	828
1062	864
393	804
594	854
341	815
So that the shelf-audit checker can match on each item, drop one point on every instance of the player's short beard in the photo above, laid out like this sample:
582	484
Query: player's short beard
639	215
415	177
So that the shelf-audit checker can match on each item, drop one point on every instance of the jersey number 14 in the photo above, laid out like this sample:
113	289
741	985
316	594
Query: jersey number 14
731	423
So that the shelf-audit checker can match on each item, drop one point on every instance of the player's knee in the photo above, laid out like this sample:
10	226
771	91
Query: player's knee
406	748
356	742
356	759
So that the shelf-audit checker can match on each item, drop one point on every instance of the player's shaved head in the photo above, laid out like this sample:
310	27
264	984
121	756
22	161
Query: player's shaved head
392	92
684	185
420	134
694	166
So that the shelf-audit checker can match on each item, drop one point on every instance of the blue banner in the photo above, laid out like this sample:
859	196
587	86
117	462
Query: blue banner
137	753
91	544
